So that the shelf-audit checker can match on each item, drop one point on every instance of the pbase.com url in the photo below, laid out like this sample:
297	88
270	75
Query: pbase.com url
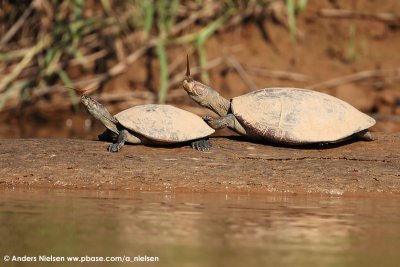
114	259
52	258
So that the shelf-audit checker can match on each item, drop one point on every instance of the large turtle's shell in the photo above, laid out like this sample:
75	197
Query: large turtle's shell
298	116
164	123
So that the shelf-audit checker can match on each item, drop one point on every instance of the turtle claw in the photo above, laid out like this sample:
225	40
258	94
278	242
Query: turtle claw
113	148
201	145
122	137
207	118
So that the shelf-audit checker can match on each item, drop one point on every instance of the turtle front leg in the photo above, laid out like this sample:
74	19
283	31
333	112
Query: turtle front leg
222	122
122	138
201	145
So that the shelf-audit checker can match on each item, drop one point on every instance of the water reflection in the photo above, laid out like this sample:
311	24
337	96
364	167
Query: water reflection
201	229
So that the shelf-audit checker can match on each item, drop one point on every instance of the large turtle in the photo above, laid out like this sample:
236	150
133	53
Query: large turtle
149	124
282	115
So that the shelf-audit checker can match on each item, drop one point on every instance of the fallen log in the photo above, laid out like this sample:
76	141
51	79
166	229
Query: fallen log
234	165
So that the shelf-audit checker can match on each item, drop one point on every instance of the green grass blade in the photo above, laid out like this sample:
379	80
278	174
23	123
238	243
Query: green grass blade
172	15
78	8
351	55
68	83
24	62
12	55
51	66
202	37
291	18
148	7
205	78
79	56
302	5
106	5
162	6
162	58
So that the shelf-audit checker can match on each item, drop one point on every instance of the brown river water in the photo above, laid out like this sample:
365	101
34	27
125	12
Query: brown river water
102	228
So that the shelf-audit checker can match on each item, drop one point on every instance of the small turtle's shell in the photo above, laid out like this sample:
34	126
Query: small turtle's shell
164	123
298	116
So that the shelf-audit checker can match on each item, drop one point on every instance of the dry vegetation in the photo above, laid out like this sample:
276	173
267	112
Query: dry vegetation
43	41
49	45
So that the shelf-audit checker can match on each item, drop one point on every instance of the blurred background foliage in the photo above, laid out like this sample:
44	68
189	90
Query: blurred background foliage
43	39
134	51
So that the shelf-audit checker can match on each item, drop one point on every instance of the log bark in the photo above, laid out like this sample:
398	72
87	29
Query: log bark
233	165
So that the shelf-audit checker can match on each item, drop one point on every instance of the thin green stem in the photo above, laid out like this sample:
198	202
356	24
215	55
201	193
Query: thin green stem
162	59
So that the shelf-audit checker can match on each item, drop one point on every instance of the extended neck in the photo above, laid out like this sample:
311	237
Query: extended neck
216	103
110	123
105	118
209	98
220	106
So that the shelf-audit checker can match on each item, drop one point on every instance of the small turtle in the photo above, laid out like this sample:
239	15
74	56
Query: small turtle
149	124
289	116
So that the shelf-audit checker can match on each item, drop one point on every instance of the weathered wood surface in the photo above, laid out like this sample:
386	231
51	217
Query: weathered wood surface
233	165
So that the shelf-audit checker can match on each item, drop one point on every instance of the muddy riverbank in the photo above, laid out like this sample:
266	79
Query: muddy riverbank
234	165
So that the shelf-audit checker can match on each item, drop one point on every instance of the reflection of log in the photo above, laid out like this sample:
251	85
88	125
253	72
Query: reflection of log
233	165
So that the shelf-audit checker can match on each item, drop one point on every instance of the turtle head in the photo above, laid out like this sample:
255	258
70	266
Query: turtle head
204	95
91	105
189	84
200	93
99	112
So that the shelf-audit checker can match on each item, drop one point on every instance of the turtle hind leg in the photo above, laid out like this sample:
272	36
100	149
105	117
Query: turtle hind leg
201	145
365	135
122	138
